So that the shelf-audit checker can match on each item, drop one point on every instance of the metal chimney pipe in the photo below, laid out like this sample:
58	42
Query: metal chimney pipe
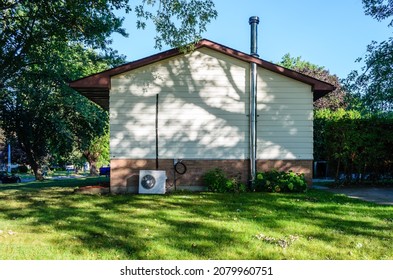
253	21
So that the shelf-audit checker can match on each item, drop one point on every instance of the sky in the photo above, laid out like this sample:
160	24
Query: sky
329	33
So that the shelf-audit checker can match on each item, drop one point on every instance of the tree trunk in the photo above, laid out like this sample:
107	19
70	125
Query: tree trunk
34	163
93	168
337	179
92	160
36	169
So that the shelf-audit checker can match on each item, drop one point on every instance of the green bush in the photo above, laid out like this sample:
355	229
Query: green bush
357	147
217	181
280	181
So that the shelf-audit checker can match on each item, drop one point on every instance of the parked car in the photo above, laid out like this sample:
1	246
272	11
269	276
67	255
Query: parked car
5	178
70	167
105	170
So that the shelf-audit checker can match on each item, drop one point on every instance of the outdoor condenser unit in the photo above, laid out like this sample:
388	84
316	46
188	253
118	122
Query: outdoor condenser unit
152	181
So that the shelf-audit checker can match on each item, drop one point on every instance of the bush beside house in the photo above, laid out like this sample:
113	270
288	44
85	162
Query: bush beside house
358	147
272	181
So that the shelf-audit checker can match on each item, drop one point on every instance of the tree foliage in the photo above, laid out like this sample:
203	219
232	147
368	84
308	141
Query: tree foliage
32	26
373	85
176	21
46	44
334	100
28	26
379	9
46	118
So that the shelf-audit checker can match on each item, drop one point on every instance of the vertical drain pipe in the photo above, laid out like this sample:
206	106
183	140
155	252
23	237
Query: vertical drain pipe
253	21
157	131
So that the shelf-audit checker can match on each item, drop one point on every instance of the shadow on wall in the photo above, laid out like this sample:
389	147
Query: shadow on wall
202	112
126	172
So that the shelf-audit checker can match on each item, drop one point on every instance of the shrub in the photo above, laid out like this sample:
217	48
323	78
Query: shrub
276	181
359	147
235	185
217	181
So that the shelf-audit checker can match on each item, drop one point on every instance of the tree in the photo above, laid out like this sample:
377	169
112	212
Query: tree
2	147
47	44
373	86
379	9
31	25
98	152
177	22
44	114
34	25
18	155
334	100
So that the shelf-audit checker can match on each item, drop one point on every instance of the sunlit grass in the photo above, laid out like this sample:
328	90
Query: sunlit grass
43	222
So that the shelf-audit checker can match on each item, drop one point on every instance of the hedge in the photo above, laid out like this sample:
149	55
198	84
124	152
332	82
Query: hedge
358	147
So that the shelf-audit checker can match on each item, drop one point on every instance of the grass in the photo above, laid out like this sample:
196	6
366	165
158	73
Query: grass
52	222
51	174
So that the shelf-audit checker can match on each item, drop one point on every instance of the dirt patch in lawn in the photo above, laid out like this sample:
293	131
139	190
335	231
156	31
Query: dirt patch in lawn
94	189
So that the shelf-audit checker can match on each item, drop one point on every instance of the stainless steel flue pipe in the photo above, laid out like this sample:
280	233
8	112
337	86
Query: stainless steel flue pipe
253	21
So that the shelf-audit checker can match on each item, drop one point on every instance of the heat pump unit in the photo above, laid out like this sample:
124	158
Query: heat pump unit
152	181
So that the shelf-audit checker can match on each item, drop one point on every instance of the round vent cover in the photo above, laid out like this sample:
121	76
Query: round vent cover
148	181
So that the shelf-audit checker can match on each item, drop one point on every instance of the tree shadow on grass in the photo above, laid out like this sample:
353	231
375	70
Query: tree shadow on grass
129	227
49	183
187	226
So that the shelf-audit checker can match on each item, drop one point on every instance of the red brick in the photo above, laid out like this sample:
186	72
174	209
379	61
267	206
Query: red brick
125	172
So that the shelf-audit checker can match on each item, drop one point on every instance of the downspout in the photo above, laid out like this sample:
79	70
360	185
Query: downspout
156	126
253	21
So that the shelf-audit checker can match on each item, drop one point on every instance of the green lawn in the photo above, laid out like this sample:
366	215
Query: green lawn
44	222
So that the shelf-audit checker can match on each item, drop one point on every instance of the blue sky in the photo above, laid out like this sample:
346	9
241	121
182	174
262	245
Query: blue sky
329	33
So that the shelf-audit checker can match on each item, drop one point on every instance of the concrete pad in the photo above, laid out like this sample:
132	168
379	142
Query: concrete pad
372	194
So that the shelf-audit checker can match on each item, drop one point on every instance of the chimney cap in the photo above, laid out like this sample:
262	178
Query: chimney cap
253	19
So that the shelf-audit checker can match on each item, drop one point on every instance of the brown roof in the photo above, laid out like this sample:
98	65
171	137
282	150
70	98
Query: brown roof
96	87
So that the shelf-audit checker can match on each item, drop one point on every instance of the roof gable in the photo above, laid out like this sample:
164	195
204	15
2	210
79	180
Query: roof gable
96	87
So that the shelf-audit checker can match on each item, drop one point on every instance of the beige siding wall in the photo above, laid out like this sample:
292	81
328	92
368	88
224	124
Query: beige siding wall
203	111
285	122
202	108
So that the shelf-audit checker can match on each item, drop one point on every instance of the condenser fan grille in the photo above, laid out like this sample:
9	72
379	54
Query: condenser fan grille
152	181
148	182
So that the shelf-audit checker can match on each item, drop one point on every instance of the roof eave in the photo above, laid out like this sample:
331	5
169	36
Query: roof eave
96	87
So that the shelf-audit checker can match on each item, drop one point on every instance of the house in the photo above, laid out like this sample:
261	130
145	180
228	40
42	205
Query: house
195	107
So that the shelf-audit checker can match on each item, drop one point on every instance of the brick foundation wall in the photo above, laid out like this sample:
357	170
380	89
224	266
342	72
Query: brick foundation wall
125	172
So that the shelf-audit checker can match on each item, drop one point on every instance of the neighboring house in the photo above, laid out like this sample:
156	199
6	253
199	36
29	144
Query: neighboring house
195	107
